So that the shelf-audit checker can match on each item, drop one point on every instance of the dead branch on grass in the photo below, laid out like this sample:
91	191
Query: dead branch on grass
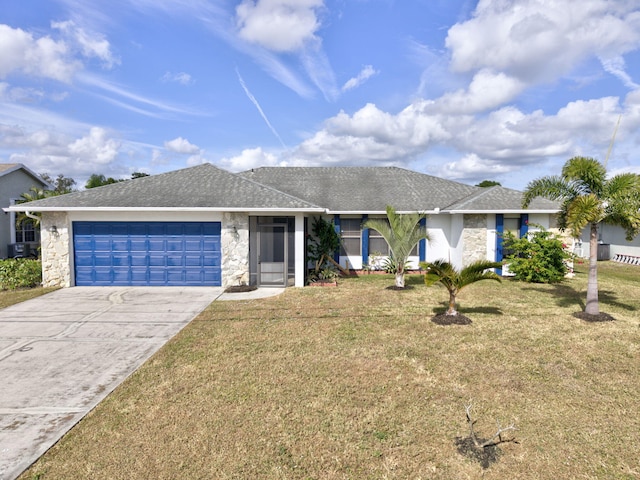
491	441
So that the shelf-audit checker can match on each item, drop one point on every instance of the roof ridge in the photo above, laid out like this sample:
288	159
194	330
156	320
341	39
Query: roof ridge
471	197
239	175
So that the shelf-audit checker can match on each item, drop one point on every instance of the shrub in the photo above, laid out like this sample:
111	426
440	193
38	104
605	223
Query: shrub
539	257
20	273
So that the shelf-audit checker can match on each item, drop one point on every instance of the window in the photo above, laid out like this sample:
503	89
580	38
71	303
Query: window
27	231
377	244
350	233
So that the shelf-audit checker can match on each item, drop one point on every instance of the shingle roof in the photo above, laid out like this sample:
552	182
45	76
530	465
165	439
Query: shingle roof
309	189
7	168
363	189
203	186
499	199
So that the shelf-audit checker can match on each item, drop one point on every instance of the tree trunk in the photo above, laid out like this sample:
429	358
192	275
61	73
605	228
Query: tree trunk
592	280
452	304
400	280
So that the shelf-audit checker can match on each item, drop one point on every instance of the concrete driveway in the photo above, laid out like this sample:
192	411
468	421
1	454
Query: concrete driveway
62	353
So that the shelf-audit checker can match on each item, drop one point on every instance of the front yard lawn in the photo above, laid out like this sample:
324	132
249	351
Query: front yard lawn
357	382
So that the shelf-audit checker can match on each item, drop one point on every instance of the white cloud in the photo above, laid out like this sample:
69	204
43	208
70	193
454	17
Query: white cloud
472	168
616	67
538	40
487	90
182	78
46	149
278	25
250	158
90	45
365	74
181	145
95	148
44	57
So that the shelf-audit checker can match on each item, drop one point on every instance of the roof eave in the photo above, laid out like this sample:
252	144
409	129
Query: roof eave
26	208
521	210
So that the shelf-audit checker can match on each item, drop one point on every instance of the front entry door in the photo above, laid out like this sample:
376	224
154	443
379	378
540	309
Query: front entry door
272	255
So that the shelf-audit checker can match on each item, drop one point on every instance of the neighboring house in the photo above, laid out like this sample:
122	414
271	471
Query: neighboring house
206	226
612	242
16	179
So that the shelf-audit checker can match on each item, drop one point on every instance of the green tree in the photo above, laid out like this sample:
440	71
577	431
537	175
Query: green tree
98	180
588	197
453	280
135	175
402	232
324	243
61	184
488	183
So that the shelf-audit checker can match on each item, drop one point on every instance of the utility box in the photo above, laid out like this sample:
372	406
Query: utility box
604	251
17	250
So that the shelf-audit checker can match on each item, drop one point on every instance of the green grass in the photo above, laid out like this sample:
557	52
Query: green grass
356	382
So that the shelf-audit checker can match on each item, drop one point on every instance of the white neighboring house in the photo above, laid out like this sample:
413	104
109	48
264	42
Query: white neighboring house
206	226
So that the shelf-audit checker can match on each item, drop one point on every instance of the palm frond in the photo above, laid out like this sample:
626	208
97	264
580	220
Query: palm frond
589	173
582	211
552	188
401	231
479	270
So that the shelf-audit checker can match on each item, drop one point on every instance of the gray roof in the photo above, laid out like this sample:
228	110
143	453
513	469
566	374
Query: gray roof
7	168
500	199
306	189
363	189
203	186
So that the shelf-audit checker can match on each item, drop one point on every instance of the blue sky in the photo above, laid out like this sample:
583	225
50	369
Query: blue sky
506	90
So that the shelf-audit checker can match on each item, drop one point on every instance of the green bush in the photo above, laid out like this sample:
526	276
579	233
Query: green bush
539	257
20	273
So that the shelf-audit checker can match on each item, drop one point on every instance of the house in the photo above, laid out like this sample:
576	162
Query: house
206	226
17	240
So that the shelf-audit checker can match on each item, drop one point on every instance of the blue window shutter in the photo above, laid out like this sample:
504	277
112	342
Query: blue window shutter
365	242
499	239
524	225
336	223
422	246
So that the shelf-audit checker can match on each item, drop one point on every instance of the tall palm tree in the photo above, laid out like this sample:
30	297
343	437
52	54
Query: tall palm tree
453	280
402	231
588	197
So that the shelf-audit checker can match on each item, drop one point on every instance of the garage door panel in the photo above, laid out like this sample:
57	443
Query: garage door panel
147	253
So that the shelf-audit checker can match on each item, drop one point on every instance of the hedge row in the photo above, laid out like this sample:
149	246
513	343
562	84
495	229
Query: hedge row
20	273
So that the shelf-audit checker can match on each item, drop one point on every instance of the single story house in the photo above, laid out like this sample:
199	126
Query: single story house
17	239
206	226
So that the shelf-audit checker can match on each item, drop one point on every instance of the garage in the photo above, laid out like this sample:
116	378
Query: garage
147	253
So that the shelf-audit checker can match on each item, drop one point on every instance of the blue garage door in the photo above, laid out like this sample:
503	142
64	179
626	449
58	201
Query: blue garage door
147	253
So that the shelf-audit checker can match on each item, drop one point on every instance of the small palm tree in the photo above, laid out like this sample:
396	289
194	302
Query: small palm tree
402	231
589	198
453	280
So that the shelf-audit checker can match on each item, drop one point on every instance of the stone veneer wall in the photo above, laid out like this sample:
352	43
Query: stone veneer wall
235	249
474	238
56	268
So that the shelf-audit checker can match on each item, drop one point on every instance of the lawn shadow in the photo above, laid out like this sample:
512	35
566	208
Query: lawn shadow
567	296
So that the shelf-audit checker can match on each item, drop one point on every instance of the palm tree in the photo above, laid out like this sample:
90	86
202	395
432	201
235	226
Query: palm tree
32	195
588	197
453	280
402	231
